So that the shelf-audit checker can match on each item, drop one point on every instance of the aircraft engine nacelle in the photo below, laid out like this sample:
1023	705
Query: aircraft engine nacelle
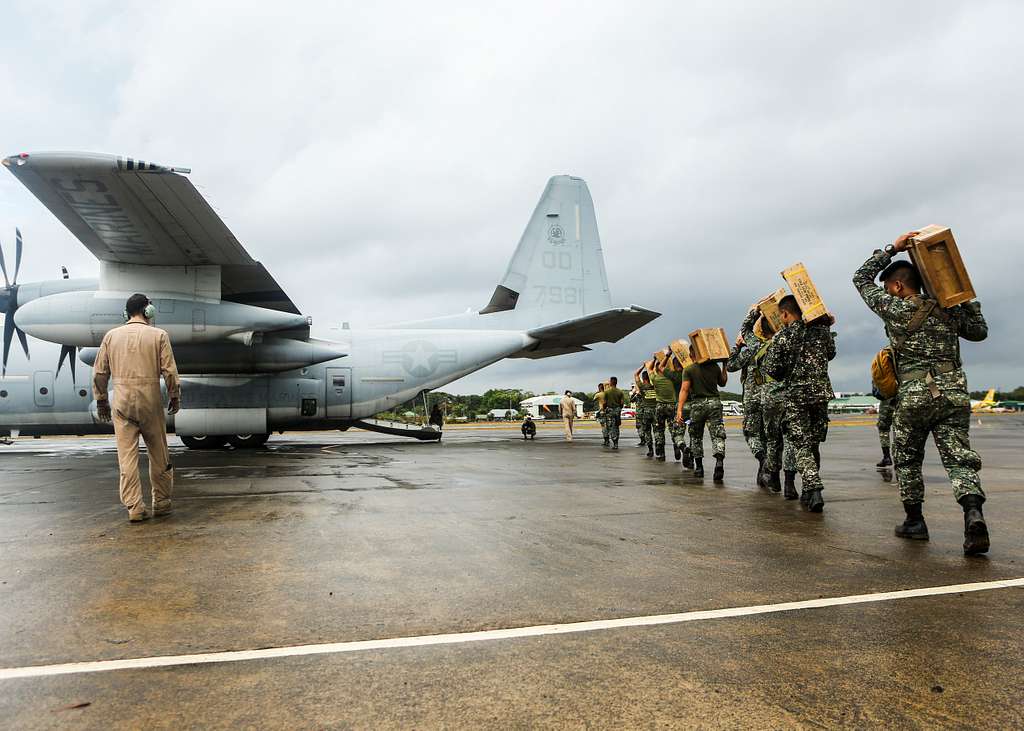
272	355
83	318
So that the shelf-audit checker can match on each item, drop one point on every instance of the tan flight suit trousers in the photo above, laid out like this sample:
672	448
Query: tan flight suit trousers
136	355
161	475
567	423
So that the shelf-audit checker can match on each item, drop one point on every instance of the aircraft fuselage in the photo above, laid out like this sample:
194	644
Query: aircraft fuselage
385	368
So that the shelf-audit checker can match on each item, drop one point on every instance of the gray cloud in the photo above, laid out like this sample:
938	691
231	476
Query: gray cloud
382	161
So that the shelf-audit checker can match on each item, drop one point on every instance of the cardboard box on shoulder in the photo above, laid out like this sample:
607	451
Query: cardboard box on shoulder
769	307
710	343
806	293
649	367
936	256
681	350
660	357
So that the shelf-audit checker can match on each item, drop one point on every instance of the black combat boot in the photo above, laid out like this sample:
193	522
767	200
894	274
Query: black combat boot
914	526
719	474
790	487
762	477
886	458
606	442
650	450
804	495
815	502
698	467
975	530
687	458
676	451
615	443
772	480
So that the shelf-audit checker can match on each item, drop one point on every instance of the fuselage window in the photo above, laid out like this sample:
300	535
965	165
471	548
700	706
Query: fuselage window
43	391
82	393
3	394
339	381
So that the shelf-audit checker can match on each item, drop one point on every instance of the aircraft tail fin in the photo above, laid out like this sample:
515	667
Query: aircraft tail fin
990	397
557	271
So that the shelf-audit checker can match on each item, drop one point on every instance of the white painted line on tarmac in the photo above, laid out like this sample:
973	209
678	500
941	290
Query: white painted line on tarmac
163	661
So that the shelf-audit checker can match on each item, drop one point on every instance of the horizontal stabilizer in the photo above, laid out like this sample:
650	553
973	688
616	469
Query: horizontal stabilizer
572	336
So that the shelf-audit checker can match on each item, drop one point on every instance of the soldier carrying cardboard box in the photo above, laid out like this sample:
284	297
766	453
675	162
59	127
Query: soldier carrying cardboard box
925	340
701	382
741	358
798	357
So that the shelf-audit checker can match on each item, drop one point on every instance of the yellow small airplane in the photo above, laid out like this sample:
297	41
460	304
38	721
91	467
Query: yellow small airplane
987	404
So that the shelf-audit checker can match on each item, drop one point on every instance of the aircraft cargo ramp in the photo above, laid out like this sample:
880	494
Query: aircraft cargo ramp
400	429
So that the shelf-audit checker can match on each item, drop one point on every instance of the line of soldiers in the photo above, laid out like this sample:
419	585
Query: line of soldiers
673	391
786	390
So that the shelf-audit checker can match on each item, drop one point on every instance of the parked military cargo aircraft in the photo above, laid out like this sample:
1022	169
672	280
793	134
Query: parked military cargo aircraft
248	364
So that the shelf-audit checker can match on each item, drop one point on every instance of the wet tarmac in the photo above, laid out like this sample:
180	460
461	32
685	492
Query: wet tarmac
334	538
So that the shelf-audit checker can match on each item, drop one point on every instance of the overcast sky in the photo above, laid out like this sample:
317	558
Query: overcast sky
382	159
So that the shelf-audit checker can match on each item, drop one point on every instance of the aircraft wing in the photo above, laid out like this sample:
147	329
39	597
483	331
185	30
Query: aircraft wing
135	212
573	336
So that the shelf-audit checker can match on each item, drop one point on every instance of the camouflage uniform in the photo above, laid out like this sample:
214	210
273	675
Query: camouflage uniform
613	402
742	359
706	411
886	410
678	431
779	452
664	409
646	413
798	356
933	397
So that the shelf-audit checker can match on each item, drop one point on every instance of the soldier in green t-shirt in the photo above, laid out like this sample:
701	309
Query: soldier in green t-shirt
614	400
681	448
665	398
700	388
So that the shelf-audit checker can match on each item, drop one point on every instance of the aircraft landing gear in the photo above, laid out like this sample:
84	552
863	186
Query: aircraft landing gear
248	441
238	441
203	442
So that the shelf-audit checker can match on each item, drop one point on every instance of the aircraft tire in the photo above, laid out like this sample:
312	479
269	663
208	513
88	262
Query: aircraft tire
204	442
248	441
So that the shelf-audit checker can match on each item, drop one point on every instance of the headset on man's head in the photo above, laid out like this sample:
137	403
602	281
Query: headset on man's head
149	312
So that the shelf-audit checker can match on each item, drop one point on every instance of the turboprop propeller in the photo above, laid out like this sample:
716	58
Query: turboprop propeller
9	302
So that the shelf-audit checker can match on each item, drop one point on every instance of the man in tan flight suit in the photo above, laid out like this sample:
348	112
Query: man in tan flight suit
137	355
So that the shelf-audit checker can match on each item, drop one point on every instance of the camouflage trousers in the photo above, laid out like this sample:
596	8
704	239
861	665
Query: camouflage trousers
706	411
645	416
886	411
778	453
948	421
806	426
610	423
679	431
663	414
753	421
